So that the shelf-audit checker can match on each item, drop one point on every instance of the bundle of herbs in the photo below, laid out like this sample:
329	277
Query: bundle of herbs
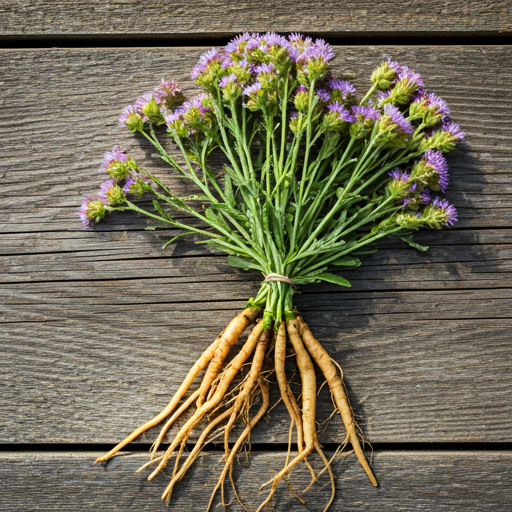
314	175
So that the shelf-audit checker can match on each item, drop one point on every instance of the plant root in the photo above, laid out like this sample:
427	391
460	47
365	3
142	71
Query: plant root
224	402
337	388
232	332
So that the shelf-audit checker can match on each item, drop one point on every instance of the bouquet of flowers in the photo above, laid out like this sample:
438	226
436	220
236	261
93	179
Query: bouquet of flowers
314	174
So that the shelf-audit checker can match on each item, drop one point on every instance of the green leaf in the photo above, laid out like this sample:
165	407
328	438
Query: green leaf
160	210
236	261
332	278
228	190
304	280
346	261
175	238
408	239
364	251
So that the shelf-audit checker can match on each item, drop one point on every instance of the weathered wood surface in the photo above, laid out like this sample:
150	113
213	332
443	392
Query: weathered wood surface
410	481
192	18
99	327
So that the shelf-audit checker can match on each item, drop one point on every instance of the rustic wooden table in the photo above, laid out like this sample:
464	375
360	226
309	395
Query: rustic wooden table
99	327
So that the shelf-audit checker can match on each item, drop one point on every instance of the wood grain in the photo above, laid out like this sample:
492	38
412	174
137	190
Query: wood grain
99	327
412	481
207	18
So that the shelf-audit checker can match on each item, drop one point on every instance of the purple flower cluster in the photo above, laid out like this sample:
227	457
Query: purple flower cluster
152	105
361	114
437	162
212	55
224	81
324	95
447	209
346	88
193	115
251	89
113	157
85	209
344	114
398	175
453	130
397	118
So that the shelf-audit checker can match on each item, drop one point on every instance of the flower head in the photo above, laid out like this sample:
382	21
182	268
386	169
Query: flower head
425	196
397	118
341	89
91	211
224	81
428	107
113	157
130	119
138	186
324	95
168	94
446	211
337	117
111	193
313	61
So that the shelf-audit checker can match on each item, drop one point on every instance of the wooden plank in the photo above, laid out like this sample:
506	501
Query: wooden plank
97	319
200	18
455	481
62	261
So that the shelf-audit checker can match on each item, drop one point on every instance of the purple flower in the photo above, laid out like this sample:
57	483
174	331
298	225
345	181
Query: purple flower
104	188
298	45
236	44
448	209
454	130
345	115
195	102
164	90
213	54
127	184
324	95
320	50
225	80
141	102
439	104
273	39
264	68
425	196
197	70
432	102
171	117
256	86
398	175
323	50
115	155
409	76
363	113
295	37
382	95
397	118
436	161
82	213
130	119
227	63
345	88
253	42
394	65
